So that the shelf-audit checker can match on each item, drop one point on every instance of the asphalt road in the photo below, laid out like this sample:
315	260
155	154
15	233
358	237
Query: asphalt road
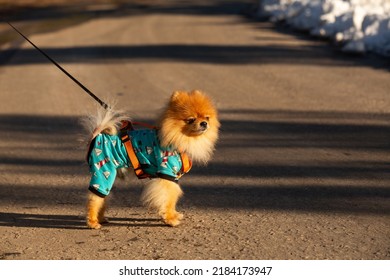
301	170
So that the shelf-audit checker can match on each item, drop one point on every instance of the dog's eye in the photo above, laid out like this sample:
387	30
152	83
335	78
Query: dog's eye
190	120
207	118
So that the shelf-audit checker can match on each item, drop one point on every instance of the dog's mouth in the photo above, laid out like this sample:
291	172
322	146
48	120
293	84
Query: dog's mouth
199	131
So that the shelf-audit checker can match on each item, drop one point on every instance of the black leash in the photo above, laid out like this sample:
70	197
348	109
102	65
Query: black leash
102	103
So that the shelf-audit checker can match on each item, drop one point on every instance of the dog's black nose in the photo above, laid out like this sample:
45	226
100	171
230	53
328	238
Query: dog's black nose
203	124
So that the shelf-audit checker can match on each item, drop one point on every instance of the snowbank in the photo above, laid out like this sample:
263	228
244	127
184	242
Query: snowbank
357	25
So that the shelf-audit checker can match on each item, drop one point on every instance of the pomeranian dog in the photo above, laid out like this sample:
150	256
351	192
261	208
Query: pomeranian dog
186	131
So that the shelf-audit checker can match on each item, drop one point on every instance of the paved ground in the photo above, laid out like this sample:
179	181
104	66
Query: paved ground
301	170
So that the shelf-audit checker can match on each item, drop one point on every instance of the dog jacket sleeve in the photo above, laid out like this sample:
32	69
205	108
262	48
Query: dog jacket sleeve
106	156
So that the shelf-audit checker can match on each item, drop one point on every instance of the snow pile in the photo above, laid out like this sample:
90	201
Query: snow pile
357	25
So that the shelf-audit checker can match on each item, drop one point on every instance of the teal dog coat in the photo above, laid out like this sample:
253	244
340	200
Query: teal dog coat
107	153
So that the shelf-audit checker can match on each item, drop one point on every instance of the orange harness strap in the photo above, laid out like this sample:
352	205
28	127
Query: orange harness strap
133	158
186	164
127	125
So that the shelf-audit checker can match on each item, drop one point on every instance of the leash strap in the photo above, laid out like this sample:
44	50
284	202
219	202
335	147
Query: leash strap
103	104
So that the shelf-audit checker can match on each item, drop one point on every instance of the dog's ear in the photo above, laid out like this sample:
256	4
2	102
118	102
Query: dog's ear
177	94
197	92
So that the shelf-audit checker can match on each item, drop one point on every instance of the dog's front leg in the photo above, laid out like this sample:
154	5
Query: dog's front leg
169	214
163	196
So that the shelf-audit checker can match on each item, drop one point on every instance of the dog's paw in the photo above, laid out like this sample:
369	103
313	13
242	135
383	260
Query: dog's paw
93	225
173	219
172	222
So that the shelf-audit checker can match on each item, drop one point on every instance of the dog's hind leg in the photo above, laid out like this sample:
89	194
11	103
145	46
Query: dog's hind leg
95	207
163	196
101	218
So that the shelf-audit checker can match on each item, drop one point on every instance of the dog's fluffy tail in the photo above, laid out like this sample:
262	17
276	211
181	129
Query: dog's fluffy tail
104	121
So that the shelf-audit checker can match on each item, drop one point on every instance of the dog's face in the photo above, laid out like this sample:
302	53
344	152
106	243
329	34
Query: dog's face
196	125
194	113
190	122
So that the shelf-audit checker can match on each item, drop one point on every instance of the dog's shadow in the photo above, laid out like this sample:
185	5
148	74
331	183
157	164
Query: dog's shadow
68	221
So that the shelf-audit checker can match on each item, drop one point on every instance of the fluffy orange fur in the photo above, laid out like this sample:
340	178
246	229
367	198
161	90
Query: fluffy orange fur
189	123
181	125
